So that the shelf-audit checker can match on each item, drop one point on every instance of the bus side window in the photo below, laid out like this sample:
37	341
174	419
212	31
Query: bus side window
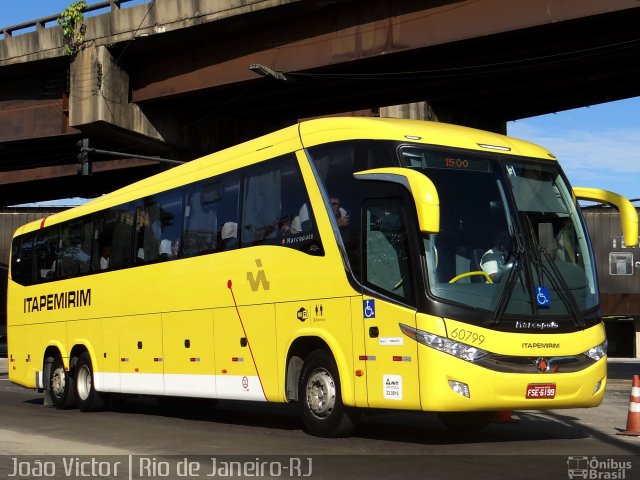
74	255
276	208
46	253
148	231
22	259
261	207
114	234
201	218
228	214
159	227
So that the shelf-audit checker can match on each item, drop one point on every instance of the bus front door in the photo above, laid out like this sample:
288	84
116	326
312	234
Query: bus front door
389	280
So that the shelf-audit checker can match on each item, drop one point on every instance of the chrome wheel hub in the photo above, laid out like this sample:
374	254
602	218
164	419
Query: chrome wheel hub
83	382
321	393
58	382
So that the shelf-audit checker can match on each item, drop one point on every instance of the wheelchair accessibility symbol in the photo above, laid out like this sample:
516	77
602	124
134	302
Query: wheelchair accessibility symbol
369	308
542	297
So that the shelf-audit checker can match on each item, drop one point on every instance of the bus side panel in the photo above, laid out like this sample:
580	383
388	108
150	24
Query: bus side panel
107	373
187	339
27	347
19	344
392	358
358	329
327	319
237	376
89	334
141	357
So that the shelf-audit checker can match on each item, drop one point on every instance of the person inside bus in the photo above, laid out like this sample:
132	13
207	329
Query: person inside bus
105	256
342	217
494	260
74	259
165	251
300	222
229	236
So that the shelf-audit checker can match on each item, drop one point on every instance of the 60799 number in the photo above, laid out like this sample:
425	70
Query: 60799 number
468	336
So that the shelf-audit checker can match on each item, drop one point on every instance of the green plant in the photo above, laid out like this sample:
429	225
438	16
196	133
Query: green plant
71	20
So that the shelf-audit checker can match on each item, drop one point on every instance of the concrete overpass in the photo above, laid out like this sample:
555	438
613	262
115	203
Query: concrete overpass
172	78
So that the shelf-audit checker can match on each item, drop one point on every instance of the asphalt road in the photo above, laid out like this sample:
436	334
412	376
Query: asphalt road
150	438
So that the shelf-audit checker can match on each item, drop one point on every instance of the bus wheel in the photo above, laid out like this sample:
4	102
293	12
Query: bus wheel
323	412
60	385
87	398
466	421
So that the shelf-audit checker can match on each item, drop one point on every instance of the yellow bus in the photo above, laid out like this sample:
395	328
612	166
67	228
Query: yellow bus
342	263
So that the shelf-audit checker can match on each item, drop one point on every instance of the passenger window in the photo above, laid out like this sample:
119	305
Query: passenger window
74	255
276	209
228	214
211	217
386	248
159	227
46	249
22	259
200	220
113	240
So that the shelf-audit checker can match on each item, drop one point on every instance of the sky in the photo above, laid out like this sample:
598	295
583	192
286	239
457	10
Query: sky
598	146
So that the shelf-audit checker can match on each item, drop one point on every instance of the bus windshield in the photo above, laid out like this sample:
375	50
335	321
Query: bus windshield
511	239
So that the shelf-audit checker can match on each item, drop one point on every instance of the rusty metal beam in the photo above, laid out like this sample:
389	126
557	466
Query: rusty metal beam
48	173
26	119
359	30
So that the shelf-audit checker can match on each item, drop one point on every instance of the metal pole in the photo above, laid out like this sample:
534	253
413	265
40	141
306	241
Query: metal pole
131	155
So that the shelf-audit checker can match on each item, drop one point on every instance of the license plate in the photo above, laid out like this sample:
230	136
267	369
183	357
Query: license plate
541	390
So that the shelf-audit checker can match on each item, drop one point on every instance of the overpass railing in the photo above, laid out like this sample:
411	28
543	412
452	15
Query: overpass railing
41	23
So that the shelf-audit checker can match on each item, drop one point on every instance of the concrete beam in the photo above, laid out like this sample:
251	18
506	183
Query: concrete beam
125	24
100	94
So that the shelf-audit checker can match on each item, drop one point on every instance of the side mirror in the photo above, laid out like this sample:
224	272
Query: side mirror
422	190
628	213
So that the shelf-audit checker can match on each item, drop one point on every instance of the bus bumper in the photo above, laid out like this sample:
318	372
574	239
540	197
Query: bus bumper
442	376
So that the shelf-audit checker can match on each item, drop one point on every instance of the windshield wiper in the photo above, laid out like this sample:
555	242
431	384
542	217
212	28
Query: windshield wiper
556	278
510	284
563	291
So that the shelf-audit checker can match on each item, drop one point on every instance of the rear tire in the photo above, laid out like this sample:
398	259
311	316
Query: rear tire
61	385
87	398
323	412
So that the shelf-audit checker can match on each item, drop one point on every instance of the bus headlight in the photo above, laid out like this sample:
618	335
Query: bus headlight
597	352
446	345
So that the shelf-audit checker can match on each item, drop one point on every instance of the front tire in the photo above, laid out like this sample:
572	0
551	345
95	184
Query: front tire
87	398
61	385
323	412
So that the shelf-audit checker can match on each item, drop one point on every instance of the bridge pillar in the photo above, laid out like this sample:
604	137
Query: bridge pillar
99	97
413	111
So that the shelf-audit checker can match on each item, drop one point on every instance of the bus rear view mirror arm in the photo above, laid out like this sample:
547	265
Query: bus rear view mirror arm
628	213
420	187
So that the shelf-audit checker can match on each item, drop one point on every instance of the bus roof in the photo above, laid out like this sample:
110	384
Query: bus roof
322	130
305	134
